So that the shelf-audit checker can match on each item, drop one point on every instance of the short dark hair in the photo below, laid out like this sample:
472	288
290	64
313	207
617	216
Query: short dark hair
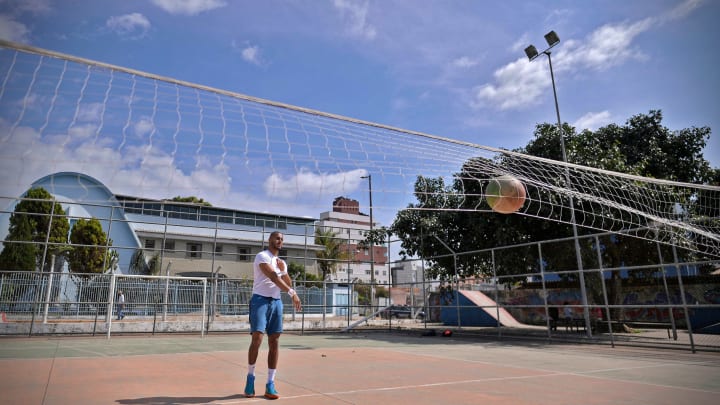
273	233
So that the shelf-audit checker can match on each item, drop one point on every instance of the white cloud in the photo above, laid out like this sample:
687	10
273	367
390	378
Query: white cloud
12	30
520	44
355	14
189	7
682	10
28	6
313	185
517	84
132	26
593	120
135	170
251	54
143	127
145	170
90	112
608	46
81	132
521	83
464	62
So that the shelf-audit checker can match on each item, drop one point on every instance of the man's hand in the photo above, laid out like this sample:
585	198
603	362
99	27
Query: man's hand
281	264
296	302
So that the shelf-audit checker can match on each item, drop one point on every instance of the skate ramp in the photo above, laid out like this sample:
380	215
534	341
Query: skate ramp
476	309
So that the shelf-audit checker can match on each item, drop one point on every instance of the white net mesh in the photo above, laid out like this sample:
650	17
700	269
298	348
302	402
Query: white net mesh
152	137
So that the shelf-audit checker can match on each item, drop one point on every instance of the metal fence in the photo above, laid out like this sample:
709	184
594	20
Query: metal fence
35	303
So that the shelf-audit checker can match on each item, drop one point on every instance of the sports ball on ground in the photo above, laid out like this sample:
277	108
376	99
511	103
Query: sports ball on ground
505	194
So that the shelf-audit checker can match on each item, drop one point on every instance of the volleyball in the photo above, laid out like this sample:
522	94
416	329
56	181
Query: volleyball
505	194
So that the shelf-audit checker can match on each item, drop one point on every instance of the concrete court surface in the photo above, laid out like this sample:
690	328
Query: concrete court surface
355	368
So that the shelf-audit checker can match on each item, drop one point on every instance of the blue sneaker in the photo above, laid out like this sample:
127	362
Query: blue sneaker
250	386
270	392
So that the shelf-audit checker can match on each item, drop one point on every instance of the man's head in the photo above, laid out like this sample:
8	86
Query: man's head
275	242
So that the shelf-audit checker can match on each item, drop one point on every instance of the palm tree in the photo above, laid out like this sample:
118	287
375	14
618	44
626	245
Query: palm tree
138	263
335	251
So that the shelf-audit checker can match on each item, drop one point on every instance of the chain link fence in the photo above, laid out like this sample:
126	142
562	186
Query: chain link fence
35	303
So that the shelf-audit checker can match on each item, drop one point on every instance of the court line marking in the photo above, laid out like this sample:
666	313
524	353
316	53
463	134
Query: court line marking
587	373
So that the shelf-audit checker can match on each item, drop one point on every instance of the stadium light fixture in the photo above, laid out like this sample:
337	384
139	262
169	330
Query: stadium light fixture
532	53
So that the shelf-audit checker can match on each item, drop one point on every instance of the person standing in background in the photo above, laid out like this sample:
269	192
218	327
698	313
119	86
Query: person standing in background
120	305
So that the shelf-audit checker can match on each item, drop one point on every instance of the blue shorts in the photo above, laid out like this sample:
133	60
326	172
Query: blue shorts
266	314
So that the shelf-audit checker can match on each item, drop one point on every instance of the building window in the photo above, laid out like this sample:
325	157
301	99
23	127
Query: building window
194	250
243	254
169	245
149	243
218	250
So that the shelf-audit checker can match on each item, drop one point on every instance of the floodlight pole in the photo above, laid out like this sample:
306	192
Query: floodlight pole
372	244
552	40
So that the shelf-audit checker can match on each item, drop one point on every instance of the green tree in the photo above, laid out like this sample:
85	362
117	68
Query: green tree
336	250
89	253
297	272
644	147
19	256
154	265
138	263
39	213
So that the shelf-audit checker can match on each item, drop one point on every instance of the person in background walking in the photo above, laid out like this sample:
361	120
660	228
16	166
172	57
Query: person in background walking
120	305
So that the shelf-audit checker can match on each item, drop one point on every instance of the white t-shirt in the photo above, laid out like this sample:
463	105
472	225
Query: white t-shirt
262	285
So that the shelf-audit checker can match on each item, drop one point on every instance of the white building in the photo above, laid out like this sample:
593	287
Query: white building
406	273
187	239
348	223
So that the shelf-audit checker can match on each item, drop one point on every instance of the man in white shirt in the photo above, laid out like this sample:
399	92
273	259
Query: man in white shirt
120	305
266	311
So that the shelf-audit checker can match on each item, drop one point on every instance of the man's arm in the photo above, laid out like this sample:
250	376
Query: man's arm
270	273
284	282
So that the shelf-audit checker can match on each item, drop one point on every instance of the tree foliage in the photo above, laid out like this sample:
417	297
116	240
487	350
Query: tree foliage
90	252
19	256
191	199
31	220
297	272
140	264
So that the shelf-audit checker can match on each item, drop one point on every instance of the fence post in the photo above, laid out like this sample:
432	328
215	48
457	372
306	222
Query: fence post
604	290
549	323
49	288
111	302
682	297
204	307
167	287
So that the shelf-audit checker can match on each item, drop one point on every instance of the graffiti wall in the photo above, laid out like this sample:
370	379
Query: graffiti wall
634	299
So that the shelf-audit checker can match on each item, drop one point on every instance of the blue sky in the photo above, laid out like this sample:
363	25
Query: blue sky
454	69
